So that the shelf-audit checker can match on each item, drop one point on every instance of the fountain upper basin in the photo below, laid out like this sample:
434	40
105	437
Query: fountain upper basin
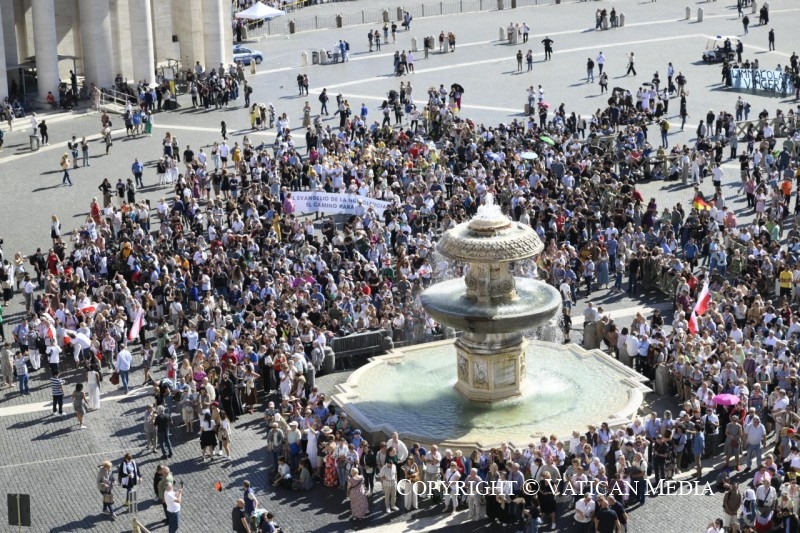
535	304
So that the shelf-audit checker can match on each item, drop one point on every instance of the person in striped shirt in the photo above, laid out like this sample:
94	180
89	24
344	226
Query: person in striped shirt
57	388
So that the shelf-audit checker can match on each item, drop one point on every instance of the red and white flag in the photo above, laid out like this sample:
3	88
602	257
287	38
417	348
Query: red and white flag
700	308
89	309
138	324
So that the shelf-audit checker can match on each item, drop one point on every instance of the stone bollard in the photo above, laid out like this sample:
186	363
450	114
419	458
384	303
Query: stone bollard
688	12
323	57
386	15
621	20
700	14
413	44
500	5
590	340
754	7
503	34
605	24
329	363
400	13
292	26
303	59
662	380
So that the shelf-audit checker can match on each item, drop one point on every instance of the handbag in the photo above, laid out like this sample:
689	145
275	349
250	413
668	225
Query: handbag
114	379
108	497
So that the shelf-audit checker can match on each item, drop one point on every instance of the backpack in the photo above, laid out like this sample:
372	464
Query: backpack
347	46
322	97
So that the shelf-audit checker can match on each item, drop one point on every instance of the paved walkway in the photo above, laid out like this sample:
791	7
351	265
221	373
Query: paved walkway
49	458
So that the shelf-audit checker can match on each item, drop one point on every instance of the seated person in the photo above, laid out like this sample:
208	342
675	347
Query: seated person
283	477
19	111
51	100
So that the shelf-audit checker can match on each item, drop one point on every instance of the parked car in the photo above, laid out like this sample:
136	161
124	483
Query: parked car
245	55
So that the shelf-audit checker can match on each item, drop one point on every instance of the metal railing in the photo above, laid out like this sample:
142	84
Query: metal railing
296	21
113	100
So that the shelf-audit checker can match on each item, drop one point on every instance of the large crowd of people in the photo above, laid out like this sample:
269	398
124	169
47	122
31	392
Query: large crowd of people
227	297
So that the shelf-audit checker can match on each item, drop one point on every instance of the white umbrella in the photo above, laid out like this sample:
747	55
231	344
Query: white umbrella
259	11
529	155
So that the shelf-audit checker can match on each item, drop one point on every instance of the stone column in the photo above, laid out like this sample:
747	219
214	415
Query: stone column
214	33
3	73
95	21
45	43
142	42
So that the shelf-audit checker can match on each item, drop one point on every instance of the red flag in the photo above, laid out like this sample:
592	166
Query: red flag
138	324
699	308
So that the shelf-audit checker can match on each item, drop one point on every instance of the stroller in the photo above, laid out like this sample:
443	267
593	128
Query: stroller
394	95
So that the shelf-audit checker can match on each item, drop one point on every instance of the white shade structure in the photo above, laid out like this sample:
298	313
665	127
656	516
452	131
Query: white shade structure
259	11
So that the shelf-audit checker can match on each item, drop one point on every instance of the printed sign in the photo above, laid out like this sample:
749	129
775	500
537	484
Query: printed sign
334	203
775	81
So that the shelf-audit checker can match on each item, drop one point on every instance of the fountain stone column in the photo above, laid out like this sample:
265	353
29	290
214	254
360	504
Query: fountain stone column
491	307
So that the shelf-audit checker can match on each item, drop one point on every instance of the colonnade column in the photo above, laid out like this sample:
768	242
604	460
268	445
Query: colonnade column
45	43
3	72
142	43
95	20
214	33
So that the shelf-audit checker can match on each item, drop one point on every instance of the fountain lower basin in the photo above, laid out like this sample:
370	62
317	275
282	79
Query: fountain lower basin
412	391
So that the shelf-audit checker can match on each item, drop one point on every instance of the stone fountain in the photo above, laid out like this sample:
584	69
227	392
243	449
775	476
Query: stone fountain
482	399
490	305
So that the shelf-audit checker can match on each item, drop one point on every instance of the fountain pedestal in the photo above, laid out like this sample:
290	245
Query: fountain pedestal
491	367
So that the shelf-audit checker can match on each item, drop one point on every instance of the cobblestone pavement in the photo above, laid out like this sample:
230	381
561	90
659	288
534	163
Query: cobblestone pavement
49	458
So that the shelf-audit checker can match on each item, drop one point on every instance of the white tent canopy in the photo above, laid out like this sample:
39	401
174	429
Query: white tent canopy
259	11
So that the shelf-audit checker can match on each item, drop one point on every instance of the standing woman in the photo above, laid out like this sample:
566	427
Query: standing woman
128	475
208	435
93	380
359	505
85	152
492	506
55	228
225	434
105	481
79	404
547	498
65	165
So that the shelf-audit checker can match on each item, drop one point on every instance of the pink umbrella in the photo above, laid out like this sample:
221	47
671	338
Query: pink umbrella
725	399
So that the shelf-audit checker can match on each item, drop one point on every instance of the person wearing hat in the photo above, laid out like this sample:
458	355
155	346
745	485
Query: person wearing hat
275	444
733	440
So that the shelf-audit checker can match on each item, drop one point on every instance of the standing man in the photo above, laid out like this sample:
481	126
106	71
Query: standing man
548	48
670	74
630	65
21	366
755	435
53	357
137	169
388	477
525	31
163	423
250	500
771	38
589	70
123	365
745	23
731	503
43	133
73	148
323	99
240	523
601	60
173	498
57	388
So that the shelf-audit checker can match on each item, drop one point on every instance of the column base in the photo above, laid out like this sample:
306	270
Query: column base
491	367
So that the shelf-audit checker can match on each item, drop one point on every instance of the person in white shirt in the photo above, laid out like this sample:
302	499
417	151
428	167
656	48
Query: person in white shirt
123	365
584	511
172	499
53	357
756	437
451	477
